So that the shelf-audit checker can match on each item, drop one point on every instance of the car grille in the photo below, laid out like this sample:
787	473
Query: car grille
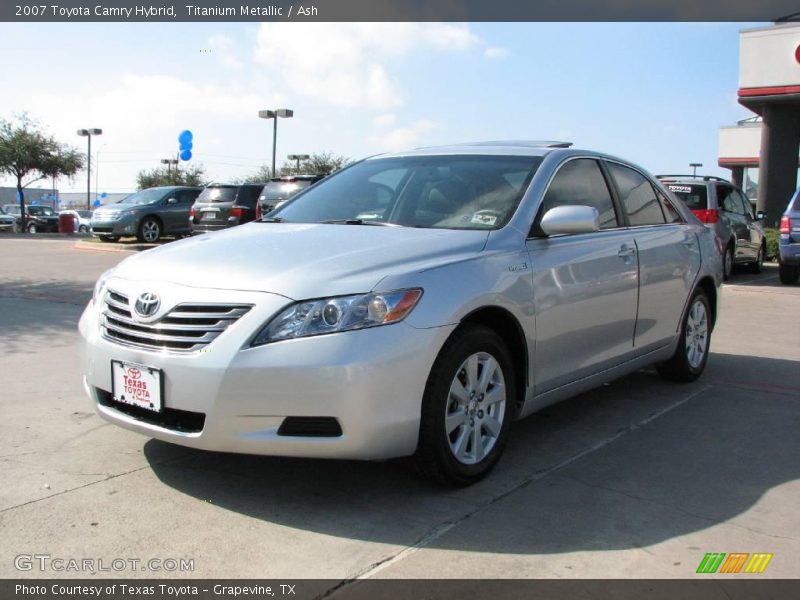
186	328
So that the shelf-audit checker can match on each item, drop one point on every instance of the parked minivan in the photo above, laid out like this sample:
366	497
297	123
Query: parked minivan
726	210
225	205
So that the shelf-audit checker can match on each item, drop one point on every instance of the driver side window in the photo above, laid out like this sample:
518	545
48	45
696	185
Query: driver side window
581	181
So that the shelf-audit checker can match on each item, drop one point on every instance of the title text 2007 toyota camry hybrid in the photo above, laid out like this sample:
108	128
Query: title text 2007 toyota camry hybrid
409	304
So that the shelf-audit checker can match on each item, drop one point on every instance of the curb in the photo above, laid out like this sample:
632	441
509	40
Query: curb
111	246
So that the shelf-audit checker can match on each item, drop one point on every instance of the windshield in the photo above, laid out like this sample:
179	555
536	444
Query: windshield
449	192
218	193
40	211
694	196
149	196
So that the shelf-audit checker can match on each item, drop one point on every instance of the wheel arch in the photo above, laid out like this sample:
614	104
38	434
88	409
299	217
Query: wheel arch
707	285
506	325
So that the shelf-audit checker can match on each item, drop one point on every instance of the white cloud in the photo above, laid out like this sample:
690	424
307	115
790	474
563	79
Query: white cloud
385	120
496	53
346	64
403	138
223	47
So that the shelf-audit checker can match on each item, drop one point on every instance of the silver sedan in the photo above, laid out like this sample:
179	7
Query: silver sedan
410	304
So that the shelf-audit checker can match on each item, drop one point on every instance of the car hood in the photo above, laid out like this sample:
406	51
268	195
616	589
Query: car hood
114	208
301	260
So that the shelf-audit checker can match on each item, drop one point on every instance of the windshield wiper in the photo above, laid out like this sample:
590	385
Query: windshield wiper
359	222
271	220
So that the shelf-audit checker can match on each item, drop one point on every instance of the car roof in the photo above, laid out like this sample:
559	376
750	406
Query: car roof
701	179
499	148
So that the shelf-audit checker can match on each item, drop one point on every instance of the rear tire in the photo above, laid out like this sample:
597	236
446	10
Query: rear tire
727	263
758	266
32	228
789	274
83	229
467	408
691	355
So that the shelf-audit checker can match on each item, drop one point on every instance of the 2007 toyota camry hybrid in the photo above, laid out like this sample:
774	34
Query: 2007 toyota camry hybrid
410	304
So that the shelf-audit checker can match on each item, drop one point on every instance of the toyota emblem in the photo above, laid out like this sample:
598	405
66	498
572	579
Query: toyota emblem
147	304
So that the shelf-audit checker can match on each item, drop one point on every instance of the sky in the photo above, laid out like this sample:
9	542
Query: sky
653	93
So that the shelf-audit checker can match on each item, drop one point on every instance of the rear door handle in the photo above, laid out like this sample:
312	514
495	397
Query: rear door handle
626	251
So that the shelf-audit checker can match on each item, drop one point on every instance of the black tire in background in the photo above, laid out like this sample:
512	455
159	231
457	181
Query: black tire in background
789	274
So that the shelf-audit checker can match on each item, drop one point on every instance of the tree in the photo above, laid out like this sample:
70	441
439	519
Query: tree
28	154
260	175
323	163
193	175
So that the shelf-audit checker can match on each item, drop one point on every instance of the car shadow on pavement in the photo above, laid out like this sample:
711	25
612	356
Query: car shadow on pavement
628	465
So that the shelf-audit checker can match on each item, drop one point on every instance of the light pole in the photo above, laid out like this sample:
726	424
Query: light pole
97	171
88	133
298	158
283	113
169	162
694	166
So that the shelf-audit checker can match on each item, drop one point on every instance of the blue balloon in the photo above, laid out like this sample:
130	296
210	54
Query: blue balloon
186	155
103	195
185	146
185	137
97	203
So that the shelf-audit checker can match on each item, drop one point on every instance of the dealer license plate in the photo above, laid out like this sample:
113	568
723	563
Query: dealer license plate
137	385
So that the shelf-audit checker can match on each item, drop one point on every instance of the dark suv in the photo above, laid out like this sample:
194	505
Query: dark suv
221	205
38	219
279	189
727	211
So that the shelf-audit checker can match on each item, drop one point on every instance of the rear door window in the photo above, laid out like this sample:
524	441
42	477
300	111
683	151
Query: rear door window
581	182
671	214
637	196
727	200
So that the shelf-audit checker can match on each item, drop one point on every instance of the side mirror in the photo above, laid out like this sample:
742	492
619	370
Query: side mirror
172	200
570	219
761	215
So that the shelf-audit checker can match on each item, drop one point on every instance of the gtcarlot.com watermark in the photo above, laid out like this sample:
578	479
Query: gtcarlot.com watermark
46	563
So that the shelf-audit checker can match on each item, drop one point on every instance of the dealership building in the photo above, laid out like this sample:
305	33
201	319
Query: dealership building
762	151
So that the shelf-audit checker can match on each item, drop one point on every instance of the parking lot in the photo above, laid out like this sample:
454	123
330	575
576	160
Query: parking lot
640	478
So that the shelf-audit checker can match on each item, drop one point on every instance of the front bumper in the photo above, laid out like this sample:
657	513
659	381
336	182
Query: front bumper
371	381
125	226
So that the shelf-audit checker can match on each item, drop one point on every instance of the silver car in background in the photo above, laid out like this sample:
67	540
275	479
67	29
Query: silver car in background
410	304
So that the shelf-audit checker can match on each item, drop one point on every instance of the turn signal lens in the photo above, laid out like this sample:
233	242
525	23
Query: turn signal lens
786	226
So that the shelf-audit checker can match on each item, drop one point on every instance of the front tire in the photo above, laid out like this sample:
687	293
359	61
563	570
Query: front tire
691	355
32	228
467	408
83	229
149	230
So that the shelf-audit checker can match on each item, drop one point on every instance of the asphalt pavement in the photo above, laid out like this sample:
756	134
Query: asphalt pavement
638	479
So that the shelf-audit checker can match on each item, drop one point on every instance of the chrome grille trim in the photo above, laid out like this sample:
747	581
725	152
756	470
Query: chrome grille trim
187	327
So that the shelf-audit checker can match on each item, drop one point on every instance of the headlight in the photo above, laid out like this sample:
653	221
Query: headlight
100	286
343	313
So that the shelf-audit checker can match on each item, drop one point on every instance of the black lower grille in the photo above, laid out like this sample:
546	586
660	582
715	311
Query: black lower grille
310	427
184	421
102	229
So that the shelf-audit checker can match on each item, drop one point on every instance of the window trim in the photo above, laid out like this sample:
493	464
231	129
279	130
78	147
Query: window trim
534	228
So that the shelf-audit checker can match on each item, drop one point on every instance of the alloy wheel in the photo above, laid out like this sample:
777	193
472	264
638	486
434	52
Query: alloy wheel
476	407
696	334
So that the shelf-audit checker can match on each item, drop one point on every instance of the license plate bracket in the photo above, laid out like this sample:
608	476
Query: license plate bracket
137	385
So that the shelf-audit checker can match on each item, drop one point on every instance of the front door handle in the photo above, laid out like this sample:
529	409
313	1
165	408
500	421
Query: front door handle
625	251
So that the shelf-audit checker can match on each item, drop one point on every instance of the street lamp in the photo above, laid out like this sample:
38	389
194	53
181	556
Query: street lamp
694	166
298	158
169	162
283	113
88	133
